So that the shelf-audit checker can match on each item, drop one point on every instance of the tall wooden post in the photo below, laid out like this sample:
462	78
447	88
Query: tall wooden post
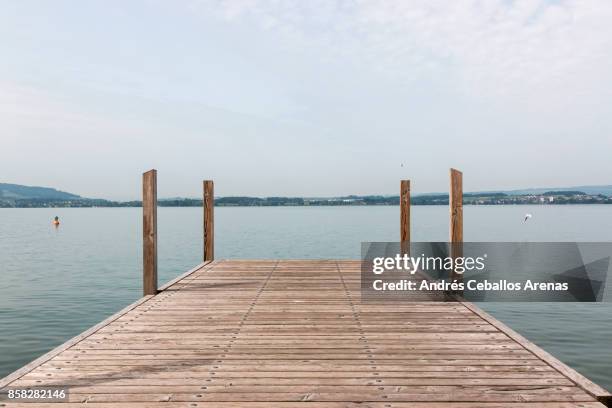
405	216
455	202
209	208
149	232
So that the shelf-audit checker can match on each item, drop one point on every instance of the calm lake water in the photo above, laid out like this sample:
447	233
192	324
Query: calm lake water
55	283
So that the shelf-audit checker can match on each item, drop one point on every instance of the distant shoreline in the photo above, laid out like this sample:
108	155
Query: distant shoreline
547	198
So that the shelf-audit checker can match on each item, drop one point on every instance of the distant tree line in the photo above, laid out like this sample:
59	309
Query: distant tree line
549	197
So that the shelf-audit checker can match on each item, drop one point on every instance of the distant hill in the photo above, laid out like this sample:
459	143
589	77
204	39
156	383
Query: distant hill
594	190
19	192
18	196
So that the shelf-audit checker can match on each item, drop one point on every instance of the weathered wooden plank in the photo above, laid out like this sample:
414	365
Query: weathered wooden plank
542	395
195	356
316	404
298	366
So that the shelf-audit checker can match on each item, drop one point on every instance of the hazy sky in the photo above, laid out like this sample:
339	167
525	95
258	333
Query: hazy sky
308	98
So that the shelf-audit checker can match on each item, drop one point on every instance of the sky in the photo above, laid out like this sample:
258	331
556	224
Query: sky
304	98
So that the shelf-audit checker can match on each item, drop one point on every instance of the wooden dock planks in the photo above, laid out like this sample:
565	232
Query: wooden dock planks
282	333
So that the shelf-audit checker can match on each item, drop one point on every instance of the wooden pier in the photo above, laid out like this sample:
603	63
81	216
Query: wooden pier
282	333
293	333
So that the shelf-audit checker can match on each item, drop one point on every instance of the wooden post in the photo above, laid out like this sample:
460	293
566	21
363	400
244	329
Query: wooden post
149	232
455	201
405	216
209	236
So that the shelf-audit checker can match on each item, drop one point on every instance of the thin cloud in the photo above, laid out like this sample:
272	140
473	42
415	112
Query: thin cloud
498	48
